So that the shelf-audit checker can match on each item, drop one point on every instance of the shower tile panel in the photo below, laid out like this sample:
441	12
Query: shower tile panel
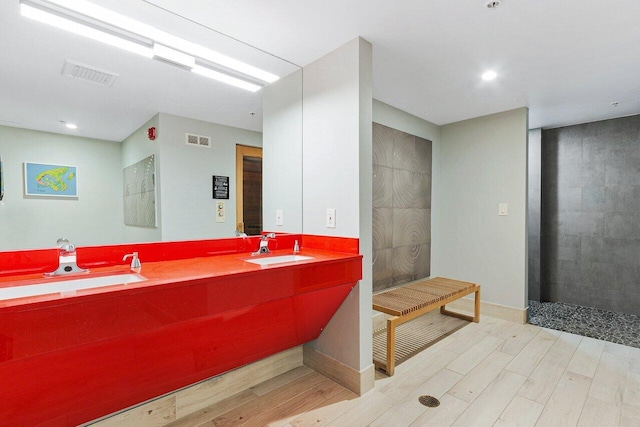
591	194
404	152
382	269
411	227
622	226
382	149
403	264
593	274
382	233
422	263
534	189
589	224
611	251
382	187
423	156
594	199
402	207
411	189
622	199
569	200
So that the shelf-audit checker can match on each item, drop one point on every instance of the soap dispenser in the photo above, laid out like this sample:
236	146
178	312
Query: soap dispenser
135	261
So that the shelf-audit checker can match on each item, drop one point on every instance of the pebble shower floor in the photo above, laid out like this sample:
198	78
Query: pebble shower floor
591	322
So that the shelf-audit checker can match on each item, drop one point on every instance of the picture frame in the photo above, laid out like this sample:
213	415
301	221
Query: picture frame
50	180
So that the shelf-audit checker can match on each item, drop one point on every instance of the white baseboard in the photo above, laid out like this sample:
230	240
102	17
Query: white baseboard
490	309
359	382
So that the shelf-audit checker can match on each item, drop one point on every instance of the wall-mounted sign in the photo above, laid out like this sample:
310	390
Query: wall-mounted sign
220	187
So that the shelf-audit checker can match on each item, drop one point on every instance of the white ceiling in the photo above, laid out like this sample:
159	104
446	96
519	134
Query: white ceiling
567	60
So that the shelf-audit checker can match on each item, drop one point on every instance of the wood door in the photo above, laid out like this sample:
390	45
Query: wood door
249	189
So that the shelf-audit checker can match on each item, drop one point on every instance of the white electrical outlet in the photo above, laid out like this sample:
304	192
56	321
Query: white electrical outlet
220	212
331	218
279	217
503	209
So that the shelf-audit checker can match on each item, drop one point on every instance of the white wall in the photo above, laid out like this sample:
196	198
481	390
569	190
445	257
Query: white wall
95	217
331	132
136	147
187	204
337	173
483	162
282	154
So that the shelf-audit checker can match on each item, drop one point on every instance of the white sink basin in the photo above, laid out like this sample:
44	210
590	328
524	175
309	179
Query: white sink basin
67	286
277	259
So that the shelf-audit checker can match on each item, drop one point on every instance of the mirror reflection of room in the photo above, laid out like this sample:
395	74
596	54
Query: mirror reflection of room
74	101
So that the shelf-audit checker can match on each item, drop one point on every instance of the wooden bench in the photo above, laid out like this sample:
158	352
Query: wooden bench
414	299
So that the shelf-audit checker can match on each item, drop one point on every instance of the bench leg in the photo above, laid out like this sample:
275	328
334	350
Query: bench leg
391	345
476	308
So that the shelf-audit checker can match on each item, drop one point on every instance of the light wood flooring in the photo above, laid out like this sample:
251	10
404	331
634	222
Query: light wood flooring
494	373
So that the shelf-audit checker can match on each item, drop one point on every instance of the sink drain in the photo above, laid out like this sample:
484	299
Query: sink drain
429	401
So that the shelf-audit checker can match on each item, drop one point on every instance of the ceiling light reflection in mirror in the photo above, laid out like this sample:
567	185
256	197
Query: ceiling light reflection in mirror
101	24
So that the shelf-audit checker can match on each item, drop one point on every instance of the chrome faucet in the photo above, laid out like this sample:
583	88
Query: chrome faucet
67	259
264	244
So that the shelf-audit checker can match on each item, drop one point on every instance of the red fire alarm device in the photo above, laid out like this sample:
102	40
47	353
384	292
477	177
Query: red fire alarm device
151	133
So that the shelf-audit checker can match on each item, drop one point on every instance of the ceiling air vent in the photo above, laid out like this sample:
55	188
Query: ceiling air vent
197	140
88	73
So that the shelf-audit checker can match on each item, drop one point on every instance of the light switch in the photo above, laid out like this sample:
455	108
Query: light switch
503	209
279	217
331	218
220	213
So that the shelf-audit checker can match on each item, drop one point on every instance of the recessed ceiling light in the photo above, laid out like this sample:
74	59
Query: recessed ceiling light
489	75
71	126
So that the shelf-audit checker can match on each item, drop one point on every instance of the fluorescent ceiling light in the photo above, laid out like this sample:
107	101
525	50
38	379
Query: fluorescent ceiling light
84	30
136	27
225	78
171	55
71	126
225	61
489	75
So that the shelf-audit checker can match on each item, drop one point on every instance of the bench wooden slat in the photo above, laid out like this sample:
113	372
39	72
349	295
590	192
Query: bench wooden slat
414	299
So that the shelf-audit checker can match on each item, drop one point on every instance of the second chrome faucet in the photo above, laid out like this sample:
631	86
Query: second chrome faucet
264	244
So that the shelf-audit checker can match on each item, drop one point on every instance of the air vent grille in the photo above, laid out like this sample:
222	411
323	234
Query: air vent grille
197	140
88	73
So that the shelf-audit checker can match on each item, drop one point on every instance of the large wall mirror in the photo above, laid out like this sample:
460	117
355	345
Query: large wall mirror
51	78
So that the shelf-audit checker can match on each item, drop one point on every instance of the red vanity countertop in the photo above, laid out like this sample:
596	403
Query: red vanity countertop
197	314
188	271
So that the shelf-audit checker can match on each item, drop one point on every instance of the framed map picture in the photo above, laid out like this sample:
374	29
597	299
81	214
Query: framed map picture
50	180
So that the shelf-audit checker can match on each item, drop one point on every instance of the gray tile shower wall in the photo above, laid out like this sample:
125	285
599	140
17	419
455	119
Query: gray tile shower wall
534	189
590	215
401	207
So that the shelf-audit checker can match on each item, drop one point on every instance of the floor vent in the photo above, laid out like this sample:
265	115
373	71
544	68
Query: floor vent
88	73
429	401
197	140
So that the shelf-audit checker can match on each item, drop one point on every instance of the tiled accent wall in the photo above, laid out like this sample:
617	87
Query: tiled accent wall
590	224
401	207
